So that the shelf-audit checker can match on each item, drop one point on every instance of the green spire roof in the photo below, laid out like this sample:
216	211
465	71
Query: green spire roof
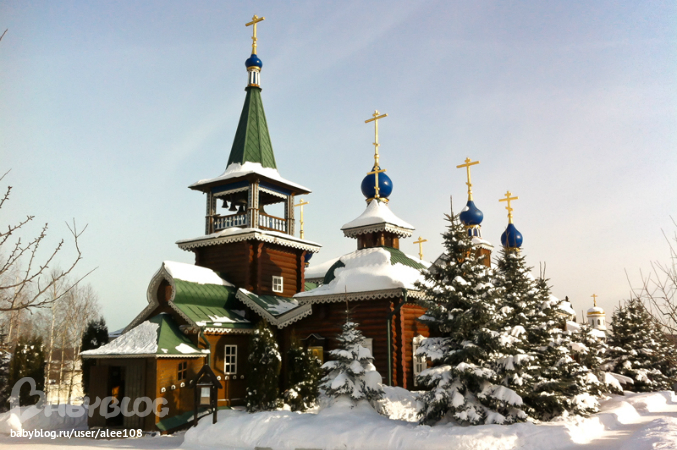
252	140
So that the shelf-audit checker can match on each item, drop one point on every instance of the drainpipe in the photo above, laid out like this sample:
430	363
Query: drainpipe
389	331
209	347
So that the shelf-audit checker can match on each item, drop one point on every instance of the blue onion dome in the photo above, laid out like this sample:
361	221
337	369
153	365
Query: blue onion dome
385	186
471	215
511	238
307	257
253	61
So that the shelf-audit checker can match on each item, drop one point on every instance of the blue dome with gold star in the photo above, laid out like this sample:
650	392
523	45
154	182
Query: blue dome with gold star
253	61
385	186
511	237
471	214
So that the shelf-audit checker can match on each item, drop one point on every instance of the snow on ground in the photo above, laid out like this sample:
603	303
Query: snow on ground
630	422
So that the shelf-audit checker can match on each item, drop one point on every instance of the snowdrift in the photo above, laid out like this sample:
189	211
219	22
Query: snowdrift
53	417
361	428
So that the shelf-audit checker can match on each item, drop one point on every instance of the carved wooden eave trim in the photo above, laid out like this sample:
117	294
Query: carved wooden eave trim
214	330
281	321
252	235
144	355
358	296
399	231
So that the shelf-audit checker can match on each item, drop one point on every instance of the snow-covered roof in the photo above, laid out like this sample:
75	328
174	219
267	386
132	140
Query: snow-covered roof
377	217
368	270
237	170
595	311
242	234
279	311
319	270
482	243
193	273
158	336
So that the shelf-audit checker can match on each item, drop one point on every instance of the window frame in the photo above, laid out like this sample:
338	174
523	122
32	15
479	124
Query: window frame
276	279
183	371
230	359
419	362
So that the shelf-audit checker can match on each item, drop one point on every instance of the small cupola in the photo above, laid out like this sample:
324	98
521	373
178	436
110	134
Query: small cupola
596	315
471	216
511	239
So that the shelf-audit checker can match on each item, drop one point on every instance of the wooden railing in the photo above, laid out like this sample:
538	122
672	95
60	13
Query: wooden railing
272	223
235	220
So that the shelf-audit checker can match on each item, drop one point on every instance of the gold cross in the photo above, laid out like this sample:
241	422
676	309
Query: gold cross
420	246
594	298
375	172
301	203
508	199
467	166
374	118
256	19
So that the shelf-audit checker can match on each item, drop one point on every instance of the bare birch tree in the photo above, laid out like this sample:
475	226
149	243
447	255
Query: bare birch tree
658	288
24	280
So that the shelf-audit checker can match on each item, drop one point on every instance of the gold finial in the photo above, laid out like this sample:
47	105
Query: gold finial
377	169
508	199
467	166
256	19
594	299
420	246
301	203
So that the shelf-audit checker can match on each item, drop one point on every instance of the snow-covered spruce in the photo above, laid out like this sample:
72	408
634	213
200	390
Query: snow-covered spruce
639	349
589	348
303	377
263	375
540	367
462	312
28	361
351	373
5	387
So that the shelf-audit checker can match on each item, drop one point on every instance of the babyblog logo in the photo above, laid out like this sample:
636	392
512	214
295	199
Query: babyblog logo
108	406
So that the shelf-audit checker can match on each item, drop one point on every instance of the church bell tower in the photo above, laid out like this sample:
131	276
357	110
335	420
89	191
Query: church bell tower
250	246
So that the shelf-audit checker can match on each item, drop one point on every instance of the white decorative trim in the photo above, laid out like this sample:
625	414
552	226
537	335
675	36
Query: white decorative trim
399	231
145	355
276	194
230	191
212	330
354	296
255	235
281	321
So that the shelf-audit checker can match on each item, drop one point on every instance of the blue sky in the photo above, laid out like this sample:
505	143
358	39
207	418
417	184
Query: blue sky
109	110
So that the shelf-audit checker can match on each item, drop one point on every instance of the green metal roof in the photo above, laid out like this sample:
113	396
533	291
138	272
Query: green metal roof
170	337
308	286
272	304
396	257
252	140
209	305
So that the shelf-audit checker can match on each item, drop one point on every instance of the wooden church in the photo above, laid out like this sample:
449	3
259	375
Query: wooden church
250	266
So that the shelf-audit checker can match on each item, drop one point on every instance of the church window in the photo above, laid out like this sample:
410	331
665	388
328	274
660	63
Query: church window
278	284
183	370
230	360
419	361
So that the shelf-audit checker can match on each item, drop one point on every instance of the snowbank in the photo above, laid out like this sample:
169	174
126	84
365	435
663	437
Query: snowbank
53	417
363	428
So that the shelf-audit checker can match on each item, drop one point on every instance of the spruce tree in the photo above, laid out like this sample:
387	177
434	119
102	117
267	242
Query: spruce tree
351	374
640	349
303	377
561	385
95	335
591	351
263	374
463	315
28	361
